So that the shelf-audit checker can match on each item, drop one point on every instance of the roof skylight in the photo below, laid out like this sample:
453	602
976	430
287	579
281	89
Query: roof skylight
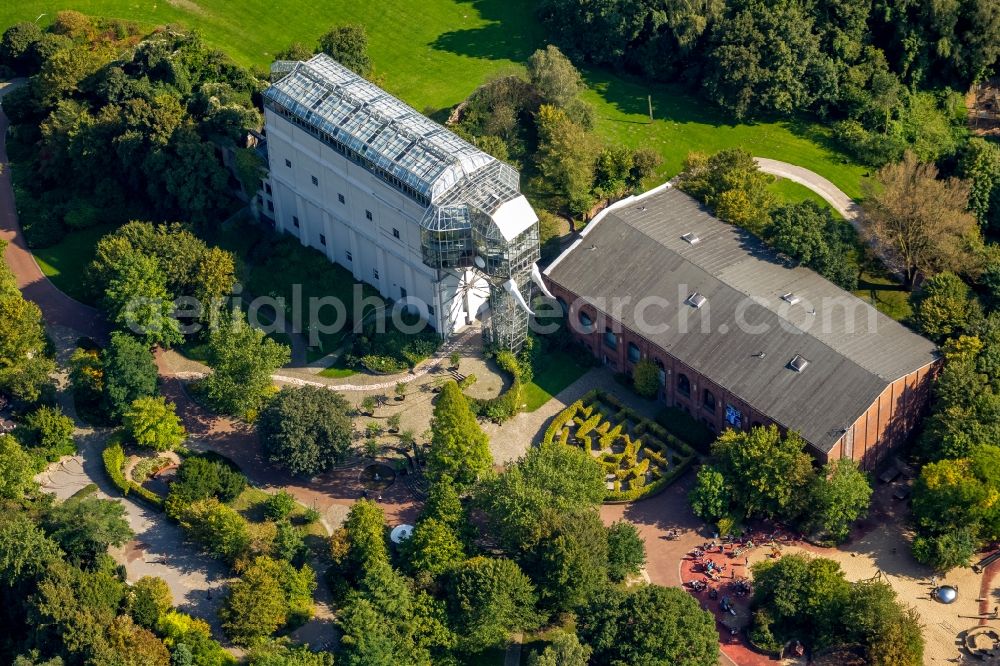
696	300
790	298
798	363
691	237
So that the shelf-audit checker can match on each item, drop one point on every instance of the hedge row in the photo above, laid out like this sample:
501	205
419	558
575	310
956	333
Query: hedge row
651	489
114	465
508	403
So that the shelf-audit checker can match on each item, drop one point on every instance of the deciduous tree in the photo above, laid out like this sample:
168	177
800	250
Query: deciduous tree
242	360
85	527
921	223
129	372
348	45
152	422
488	599
838	496
626	551
306	430
649	626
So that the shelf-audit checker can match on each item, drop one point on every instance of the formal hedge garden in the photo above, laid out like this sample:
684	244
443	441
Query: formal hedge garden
639	456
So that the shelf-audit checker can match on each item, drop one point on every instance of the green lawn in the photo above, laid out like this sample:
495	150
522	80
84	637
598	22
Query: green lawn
558	371
432	53
788	191
338	370
887	295
65	263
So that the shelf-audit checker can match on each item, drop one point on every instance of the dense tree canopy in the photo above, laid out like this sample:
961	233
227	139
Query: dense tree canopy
129	373
557	479
488	599
305	430
808	599
242	359
153	422
24	361
920	223
649	626
348	45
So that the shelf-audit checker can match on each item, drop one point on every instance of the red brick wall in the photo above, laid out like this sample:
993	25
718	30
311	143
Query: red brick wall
882	428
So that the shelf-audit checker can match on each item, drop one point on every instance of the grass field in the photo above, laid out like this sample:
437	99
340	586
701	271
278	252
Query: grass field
559	371
432	53
791	192
65	263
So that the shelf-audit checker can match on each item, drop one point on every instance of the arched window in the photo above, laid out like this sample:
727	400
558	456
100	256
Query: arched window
563	305
683	384
610	339
663	372
586	322
708	401
633	352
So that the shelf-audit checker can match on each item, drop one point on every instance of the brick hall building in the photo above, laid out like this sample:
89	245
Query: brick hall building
742	337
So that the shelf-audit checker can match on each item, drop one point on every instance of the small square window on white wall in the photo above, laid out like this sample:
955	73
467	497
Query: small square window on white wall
368	214
430	310
322	239
375	273
288	163
295	221
340	198
315	181
349	256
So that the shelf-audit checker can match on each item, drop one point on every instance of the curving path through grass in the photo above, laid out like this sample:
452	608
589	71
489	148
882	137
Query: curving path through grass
833	195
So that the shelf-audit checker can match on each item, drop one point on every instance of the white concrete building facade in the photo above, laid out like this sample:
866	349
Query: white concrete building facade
398	200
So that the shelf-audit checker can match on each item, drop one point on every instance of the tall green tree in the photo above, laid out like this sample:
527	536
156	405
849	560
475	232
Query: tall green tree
556	479
16	470
348	44
85	527
944	306
980	165
730	183
305	430
488	600
768	474
649	626
565	159
766	57
137	300
129	372
242	360
838	496
808	233
459	447
565	649
256	605
626	551
25	365
152	422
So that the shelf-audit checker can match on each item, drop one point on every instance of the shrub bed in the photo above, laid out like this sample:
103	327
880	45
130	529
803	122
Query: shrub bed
114	466
508	403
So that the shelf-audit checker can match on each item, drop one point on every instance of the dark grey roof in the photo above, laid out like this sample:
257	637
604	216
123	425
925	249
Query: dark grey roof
852	351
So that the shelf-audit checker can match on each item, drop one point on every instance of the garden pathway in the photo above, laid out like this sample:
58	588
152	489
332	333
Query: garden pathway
832	194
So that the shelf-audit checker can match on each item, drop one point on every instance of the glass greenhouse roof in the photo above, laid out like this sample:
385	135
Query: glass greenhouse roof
363	118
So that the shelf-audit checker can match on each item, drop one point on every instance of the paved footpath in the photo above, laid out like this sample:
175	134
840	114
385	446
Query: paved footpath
832	194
